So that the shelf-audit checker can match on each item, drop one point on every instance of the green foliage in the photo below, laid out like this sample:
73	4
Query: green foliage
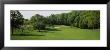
40	26
84	19
87	19
38	22
16	20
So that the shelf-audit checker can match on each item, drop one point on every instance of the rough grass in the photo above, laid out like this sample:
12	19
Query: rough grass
60	33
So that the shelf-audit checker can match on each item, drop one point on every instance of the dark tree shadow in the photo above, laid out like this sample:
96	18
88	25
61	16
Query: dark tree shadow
50	29
42	31
24	34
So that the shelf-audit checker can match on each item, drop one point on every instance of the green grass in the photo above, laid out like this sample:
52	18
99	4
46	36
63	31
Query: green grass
61	33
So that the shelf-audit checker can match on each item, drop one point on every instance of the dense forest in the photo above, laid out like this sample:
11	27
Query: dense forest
83	19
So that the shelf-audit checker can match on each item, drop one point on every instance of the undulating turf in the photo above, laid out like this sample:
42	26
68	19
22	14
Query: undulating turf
60	32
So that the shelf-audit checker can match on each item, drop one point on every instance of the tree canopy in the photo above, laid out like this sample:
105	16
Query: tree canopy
16	19
84	19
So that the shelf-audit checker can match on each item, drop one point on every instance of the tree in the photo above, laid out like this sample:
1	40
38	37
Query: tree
38	22
16	19
52	20
84	19
36	19
40	26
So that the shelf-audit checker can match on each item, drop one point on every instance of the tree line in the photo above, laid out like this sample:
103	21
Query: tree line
84	19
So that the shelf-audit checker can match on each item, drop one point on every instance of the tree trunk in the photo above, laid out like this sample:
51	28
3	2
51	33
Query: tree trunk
22	30
12	30
39	30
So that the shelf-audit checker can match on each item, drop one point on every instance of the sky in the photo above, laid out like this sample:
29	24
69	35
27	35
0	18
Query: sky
27	14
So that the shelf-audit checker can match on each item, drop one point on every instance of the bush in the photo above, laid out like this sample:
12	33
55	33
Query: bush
40	26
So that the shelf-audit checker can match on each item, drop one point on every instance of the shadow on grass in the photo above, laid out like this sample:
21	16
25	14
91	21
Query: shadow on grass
50	29
26	35
41	31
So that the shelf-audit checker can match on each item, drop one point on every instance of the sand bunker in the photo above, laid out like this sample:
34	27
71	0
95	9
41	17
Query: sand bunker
56	27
